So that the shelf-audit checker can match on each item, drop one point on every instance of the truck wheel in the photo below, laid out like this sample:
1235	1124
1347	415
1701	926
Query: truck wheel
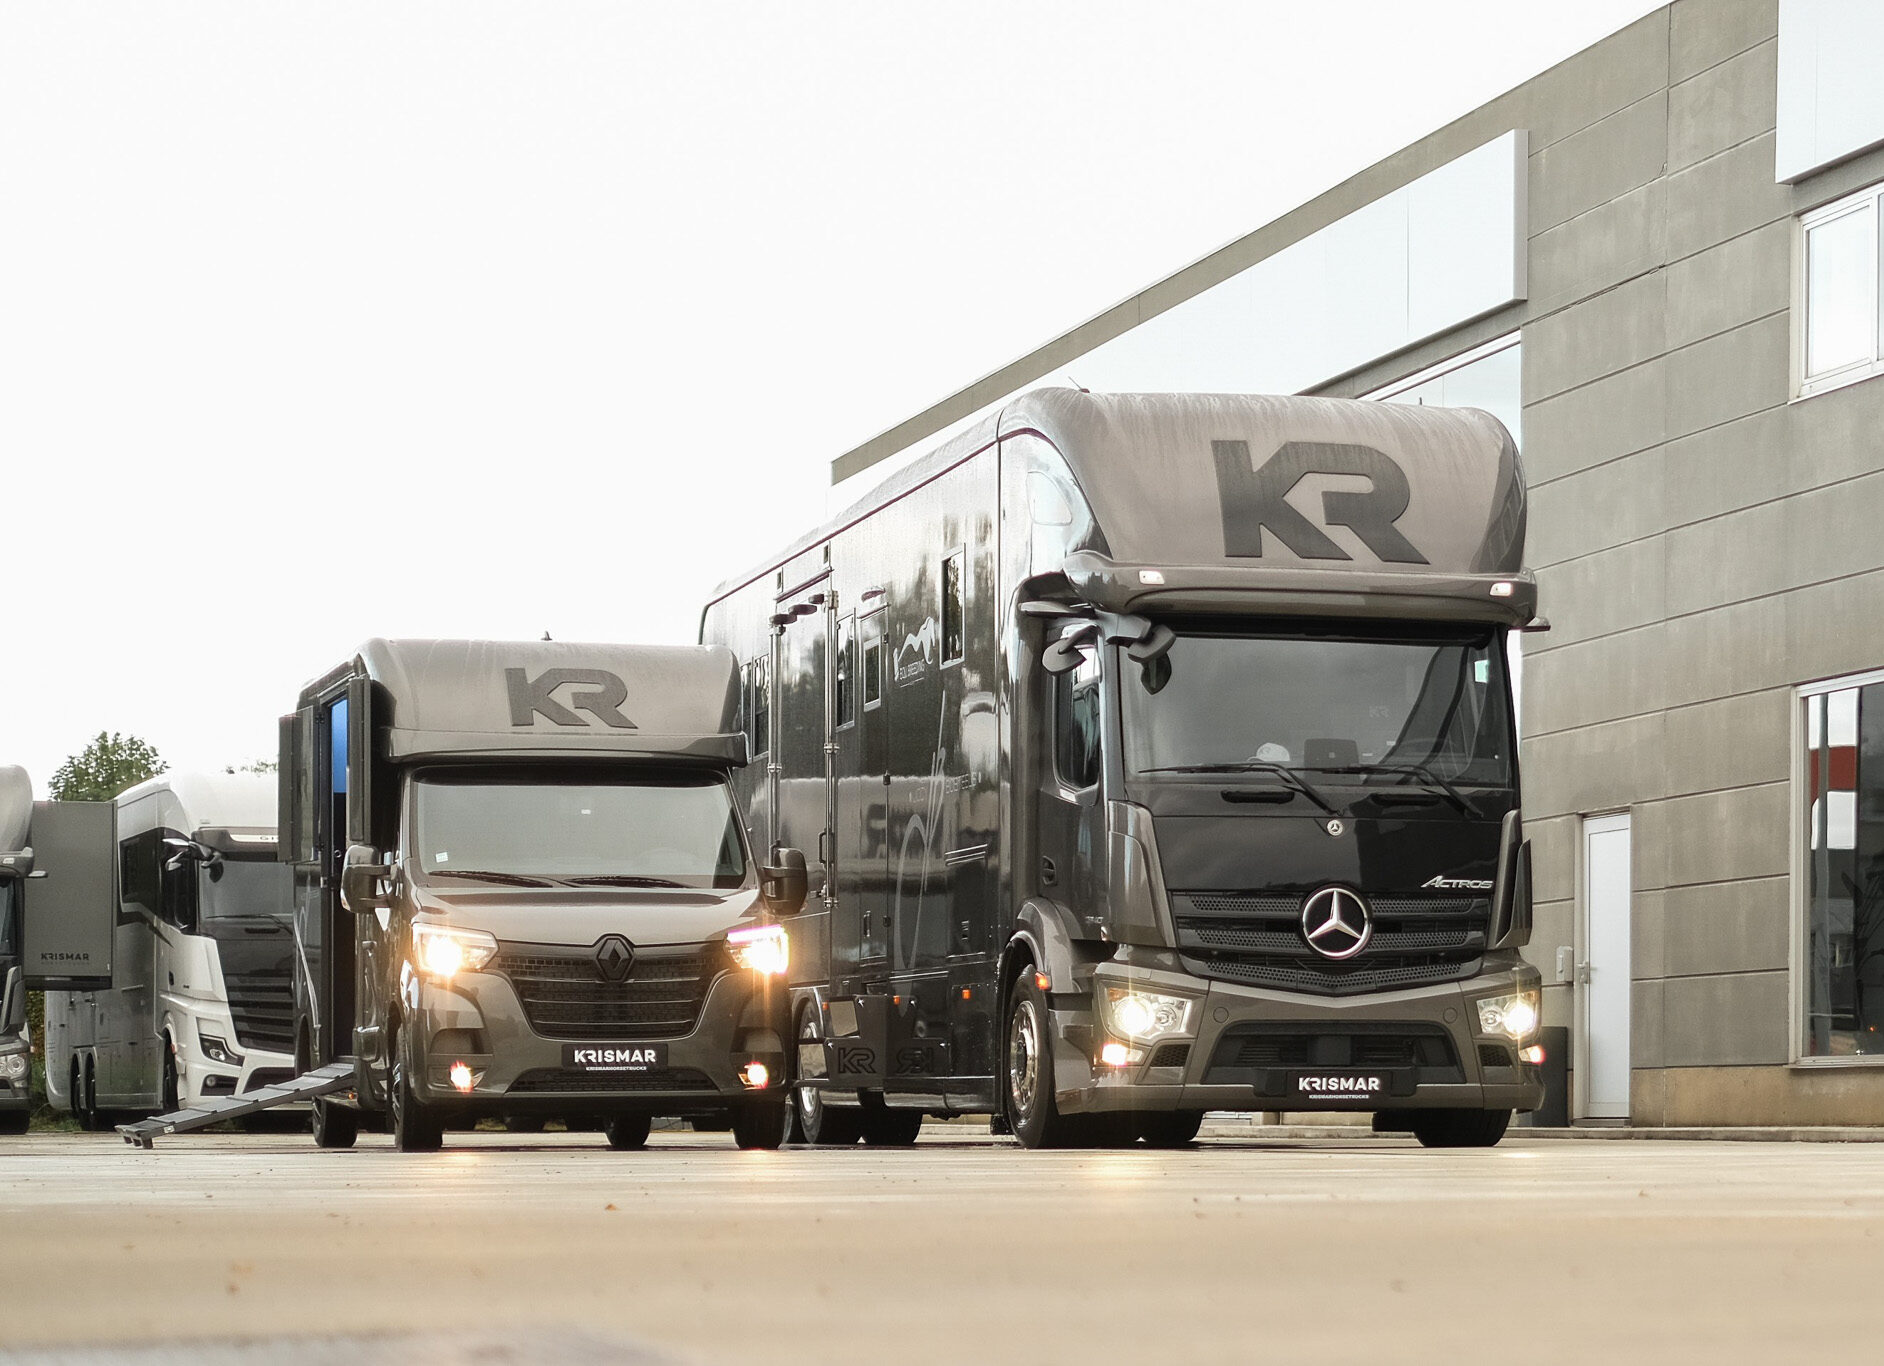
628	1132
814	1121
760	1124
417	1128
333	1124
1168	1129
171	1099
887	1128
1460	1128
1031	1108
88	1116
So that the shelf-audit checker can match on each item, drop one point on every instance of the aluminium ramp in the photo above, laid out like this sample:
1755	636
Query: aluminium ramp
322	1081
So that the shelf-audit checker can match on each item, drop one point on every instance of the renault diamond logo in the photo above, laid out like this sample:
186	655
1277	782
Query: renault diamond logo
1336	923
614	958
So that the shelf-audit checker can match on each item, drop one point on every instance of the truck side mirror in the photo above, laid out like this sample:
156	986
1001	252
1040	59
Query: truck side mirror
360	875
783	883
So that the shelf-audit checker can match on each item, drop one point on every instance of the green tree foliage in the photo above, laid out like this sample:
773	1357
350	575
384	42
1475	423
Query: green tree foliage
104	768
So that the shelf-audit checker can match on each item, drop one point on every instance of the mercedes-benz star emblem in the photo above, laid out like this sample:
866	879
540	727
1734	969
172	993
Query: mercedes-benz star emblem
614	958
1336	923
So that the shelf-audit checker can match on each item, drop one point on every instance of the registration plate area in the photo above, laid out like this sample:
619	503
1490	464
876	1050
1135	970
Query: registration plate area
1333	1087
605	1058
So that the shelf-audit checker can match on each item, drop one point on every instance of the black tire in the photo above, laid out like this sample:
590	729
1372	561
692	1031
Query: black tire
416	1126
333	1125
15	1122
172	1097
628	1132
1460	1128
761	1123
1168	1128
887	1128
85	1102
1027	1065
812	1120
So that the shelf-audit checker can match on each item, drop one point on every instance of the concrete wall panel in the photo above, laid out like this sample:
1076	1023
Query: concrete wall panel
1726	927
1615	416
1594	681
1693	1096
1723	287
1726	1020
1601	594
1739	463
1703	33
1596	509
1603	161
1832	629
1721	836
1723	197
1835	435
1722	106
1595	768
1597	250
1647	1042
1626	67
1729	376
1612	331
1729	650
1733	742
1647	935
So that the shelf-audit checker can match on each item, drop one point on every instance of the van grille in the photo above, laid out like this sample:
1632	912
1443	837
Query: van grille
1256	939
565	996
261	1002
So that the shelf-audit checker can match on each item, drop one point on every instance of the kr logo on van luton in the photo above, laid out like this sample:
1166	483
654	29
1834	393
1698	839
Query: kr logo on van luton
529	696
1258	498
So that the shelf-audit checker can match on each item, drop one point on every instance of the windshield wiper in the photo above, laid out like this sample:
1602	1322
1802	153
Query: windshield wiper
1288	775
1425	775
485	875
620	880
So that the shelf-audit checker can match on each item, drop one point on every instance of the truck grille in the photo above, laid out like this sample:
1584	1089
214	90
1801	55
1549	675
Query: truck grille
552	1080
566	996
261	1003
1246	1050
1256	939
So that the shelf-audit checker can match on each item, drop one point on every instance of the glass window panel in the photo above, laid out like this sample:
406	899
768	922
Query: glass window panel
1841	285
952	646
1845	873
846	688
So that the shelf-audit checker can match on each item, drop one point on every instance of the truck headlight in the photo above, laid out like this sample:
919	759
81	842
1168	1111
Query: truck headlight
764	949
1133	1013
13	1066
216	1050
441	951
1514	1016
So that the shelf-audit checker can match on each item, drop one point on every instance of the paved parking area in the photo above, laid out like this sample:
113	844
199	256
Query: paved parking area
961	1249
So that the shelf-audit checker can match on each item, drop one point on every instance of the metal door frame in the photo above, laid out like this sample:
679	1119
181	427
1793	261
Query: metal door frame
1605	823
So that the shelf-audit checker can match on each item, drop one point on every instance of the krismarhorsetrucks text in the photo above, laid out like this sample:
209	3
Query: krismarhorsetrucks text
522	887
1158	756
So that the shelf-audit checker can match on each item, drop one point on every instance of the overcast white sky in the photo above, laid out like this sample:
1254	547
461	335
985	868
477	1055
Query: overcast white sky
319	322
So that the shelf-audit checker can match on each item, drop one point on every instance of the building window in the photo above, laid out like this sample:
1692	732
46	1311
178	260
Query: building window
952	595
1842	953
1841	337
846	684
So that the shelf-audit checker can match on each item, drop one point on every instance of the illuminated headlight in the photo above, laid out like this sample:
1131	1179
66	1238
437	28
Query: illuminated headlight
217	1050
762	948
13	1066
440	951
1514	1016
1136	1014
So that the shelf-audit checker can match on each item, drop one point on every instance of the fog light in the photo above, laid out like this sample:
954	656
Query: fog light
755	1074
1534	1055
1115	1055
1502	589
461	1076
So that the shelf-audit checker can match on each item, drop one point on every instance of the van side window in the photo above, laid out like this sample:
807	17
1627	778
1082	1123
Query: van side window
846	681
1076	724
952	596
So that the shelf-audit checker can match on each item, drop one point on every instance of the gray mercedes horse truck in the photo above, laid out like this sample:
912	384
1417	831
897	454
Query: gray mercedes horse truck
523	888
1158	755
16	864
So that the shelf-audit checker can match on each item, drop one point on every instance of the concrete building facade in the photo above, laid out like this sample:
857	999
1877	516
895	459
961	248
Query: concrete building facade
1659	262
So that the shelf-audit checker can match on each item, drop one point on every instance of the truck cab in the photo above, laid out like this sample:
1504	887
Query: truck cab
16	863
524	889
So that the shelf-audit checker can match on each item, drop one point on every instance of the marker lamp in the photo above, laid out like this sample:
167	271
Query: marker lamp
440	951
1514	1016
1132	1013
13	1066
217	1050
762	948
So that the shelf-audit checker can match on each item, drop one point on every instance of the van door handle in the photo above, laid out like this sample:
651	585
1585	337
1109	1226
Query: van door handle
1048	873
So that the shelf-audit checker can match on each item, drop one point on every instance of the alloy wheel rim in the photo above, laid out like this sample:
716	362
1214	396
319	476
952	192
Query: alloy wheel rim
1023	1065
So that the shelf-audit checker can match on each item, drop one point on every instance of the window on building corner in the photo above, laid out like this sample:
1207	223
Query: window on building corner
1843	333
1843	805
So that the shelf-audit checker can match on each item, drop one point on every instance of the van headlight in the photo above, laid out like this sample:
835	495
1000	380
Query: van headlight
440	951
1134	1013
1514	1016
762	948
13	1066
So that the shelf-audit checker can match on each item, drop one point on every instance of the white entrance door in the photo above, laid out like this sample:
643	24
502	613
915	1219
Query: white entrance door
1602	1053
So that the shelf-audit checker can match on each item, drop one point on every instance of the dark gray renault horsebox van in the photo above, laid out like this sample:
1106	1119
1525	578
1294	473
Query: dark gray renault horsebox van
523	887
1159	756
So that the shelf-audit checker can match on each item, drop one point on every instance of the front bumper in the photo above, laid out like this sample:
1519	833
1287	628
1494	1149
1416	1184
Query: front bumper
1246	1053
479	1021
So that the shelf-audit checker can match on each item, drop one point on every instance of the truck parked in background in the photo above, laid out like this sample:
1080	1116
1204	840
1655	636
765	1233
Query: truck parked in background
16	864
522	888
1159	756
198	1002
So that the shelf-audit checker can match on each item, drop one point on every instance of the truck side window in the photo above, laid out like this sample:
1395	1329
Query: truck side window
179	895
140	871
759	709
846	681
953	648
1076	724
873	666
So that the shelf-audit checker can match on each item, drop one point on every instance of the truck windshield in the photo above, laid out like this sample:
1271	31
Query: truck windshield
235	888
648	831
1367	711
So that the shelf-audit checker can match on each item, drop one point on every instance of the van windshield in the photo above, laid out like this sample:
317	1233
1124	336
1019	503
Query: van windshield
1362	711
646	831
233	888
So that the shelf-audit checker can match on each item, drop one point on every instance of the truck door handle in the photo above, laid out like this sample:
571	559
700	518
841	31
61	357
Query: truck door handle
1048	873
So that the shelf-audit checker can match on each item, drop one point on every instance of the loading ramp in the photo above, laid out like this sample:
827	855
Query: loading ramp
322	1081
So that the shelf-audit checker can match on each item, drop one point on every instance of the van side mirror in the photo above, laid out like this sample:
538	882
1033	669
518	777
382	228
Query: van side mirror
783	882
360	875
